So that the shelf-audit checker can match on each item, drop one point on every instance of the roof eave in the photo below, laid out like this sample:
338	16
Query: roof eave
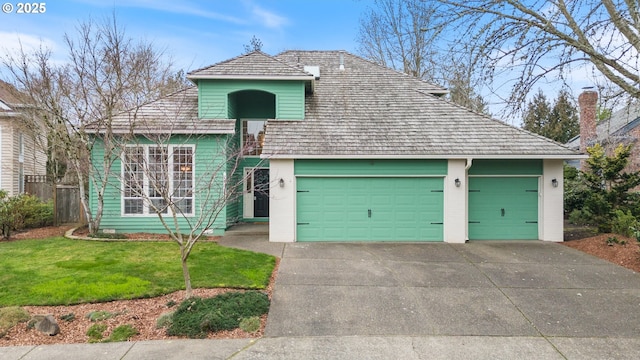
251	77
457	156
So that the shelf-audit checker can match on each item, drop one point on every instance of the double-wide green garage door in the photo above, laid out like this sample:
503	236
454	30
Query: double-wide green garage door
370	208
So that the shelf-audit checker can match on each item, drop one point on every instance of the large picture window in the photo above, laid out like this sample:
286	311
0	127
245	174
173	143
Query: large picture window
157	179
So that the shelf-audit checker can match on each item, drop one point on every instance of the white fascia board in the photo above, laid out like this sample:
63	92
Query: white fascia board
251	77
559	157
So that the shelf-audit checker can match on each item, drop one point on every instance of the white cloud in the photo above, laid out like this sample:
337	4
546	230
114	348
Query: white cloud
171	6
268	18
12	42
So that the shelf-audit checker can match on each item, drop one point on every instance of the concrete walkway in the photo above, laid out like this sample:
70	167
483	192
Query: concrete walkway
481	300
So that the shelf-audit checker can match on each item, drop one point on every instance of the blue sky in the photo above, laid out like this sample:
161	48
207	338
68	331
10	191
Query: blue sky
197	33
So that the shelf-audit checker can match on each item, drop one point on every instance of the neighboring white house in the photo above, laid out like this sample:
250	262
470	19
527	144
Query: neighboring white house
21	149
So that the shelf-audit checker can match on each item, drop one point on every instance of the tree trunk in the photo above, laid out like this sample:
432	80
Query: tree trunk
185	273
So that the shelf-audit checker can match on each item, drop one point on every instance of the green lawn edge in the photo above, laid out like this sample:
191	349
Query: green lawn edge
60	271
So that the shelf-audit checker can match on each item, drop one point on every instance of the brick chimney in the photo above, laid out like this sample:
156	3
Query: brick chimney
587	102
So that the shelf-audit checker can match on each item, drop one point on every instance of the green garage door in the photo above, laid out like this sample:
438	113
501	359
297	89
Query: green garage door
369	209
503	208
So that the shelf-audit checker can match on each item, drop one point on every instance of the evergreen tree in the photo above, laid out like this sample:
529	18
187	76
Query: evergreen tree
563	122
537	113
559	123
255	44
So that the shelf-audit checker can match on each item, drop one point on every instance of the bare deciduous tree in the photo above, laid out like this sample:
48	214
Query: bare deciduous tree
530	41
106	73
407	36
400	35
162	174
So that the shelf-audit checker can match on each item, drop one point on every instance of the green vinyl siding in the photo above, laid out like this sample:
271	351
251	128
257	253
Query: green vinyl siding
209	152
369	209
382	167
506	167
503	208
216	99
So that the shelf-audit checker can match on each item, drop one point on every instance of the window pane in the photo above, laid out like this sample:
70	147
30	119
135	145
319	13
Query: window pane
183	179
185	205
133	206
158	205
133	177
158	172
253	137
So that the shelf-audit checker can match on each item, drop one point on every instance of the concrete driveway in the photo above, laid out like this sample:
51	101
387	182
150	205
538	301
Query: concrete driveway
528	295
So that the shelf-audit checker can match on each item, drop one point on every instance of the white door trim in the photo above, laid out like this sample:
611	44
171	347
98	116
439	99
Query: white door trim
247	193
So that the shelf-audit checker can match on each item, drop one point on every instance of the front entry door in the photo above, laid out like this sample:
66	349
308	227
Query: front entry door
261	193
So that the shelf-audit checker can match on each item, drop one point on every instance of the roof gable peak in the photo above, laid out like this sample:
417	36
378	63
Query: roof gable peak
253	65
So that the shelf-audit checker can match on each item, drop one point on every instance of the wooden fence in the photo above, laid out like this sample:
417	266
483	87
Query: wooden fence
67	205
39	186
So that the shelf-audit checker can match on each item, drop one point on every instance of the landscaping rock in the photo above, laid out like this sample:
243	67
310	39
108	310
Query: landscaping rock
47	324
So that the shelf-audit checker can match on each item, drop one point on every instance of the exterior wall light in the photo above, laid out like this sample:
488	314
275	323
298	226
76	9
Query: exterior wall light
554	182
281	182
457	182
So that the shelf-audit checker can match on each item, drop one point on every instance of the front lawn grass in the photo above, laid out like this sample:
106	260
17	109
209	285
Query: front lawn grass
59	271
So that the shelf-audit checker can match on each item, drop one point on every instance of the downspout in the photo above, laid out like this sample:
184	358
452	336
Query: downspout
466	168
466	212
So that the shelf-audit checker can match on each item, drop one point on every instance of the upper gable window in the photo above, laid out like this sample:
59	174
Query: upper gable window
253	137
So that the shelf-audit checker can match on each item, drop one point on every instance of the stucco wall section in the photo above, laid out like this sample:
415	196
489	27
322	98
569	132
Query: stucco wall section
282	201
551	218
455	206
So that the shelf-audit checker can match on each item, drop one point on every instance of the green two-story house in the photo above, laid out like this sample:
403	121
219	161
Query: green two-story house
331	147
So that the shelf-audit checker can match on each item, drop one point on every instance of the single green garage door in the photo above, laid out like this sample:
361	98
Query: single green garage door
503	208
369	209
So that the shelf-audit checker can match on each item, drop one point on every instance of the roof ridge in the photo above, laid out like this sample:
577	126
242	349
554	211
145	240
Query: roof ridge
254	53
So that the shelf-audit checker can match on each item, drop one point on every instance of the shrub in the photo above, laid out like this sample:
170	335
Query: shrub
100	315
96	332
23	211
624	223
196	317
165	320
580	217
10	317
250	324
68	317
122	333
611	240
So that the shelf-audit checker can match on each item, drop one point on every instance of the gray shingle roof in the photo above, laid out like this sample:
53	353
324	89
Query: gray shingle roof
254	64
173	114
11	100
368	110
616	128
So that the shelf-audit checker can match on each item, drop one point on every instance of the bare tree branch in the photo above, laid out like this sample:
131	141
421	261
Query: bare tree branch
540	39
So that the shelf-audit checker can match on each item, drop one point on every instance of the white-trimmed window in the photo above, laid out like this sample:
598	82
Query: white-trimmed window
157	178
